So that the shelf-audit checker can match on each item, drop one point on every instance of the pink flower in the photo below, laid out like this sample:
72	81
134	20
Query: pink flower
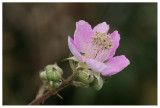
96	48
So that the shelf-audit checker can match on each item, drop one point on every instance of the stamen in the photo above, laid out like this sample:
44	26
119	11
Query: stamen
101	40
99	46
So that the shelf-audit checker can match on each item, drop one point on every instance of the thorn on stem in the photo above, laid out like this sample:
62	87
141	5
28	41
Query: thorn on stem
63	80
43	100
59	95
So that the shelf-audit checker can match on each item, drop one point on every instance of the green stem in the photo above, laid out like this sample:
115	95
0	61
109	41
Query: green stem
38	99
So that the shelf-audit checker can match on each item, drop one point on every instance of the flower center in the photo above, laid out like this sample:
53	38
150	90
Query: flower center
99	47
102	41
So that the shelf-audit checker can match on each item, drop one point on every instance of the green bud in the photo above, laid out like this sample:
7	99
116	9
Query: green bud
43	76
85	75
56	84
97	84
53	72
51	84
56	67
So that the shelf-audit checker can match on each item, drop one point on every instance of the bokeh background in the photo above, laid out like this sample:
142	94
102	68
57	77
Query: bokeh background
35	34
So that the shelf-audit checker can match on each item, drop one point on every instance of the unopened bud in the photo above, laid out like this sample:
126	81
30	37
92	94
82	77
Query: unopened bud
53	72
97	83
43	76
55	84
55	66
85	75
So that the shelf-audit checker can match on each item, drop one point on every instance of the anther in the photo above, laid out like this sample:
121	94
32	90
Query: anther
102	40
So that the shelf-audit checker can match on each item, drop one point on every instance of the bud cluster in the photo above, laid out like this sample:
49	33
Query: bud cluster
52	76
89	77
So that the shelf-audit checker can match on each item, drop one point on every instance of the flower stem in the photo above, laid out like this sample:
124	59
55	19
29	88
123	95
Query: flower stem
41	91
40	98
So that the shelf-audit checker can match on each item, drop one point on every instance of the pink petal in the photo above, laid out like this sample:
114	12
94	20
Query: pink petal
115	65
82	35
96	65
116	38
102	27
74	50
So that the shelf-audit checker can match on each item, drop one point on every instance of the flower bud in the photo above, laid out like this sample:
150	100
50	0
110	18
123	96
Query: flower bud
56	84
53	72
43	76
58	69
51	84
85	75
97	84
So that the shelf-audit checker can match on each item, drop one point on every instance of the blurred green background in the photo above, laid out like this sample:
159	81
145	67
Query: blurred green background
35	34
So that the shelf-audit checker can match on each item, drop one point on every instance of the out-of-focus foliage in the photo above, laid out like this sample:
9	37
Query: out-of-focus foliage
35	35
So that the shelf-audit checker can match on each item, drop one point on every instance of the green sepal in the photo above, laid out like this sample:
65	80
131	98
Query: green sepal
43	77
73	64
85	76
71	58
97	83
56	84
57	68
83	65
80	84
53	72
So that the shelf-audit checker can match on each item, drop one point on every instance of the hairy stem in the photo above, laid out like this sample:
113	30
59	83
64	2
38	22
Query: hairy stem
41	91
41	97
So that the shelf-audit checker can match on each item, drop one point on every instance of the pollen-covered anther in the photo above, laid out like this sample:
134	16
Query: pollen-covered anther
102	40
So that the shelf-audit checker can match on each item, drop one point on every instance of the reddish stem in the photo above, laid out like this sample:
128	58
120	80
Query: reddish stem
67	82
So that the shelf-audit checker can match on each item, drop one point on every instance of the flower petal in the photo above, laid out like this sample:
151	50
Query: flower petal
74	50
82	35
116	38
102	27
115	65
96	65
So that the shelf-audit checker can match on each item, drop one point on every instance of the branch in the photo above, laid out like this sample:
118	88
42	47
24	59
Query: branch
41	91
38	99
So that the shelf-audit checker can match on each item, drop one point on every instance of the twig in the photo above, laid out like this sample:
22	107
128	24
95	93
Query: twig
41	91
37	100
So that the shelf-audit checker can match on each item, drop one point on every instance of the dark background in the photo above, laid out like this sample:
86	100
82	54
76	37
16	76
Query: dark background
35	34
